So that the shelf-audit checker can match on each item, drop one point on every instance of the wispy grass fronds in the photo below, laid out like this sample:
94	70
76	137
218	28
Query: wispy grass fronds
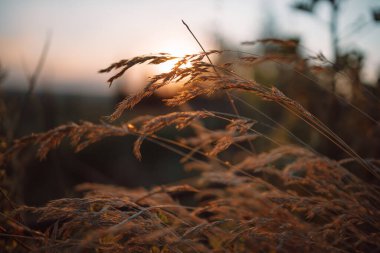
307	204
80	135
205	81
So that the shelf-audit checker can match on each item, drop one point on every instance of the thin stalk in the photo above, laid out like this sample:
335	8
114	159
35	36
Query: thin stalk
231	101
32	81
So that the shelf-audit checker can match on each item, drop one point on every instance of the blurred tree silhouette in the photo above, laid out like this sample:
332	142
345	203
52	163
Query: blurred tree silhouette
309	7
347	86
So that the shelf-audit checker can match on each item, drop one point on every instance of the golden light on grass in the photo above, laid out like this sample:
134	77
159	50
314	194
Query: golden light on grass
171	89
169	65
293	197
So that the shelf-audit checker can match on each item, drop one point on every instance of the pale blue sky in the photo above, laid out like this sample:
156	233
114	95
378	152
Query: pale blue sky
90	34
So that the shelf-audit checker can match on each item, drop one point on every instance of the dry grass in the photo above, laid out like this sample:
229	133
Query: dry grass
286	199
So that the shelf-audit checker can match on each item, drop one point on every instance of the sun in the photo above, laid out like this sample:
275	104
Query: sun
165	67
169	65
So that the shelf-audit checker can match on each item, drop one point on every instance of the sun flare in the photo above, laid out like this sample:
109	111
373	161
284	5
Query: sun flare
169	65
165	67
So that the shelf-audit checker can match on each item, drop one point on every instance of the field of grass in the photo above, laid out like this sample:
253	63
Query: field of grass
285	164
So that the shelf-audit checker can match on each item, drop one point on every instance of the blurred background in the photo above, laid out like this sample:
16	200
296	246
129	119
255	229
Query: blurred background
51	52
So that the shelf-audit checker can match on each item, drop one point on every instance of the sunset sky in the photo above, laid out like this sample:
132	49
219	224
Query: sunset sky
88	35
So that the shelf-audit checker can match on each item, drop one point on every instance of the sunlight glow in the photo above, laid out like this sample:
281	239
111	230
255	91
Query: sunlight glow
165	67
169	65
